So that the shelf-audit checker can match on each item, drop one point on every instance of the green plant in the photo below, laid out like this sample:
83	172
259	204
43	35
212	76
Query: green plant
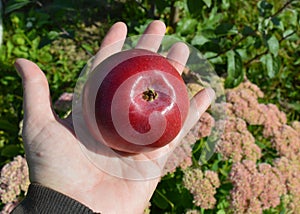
257	40
254	40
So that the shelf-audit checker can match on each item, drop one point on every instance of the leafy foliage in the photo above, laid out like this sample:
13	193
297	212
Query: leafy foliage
257	40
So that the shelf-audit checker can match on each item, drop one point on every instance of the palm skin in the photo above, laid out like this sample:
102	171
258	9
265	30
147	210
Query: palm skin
53	152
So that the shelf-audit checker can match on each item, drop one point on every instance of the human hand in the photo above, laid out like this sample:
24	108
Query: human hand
53	152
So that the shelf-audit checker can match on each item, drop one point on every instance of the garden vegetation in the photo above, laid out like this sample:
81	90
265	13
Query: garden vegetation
252	45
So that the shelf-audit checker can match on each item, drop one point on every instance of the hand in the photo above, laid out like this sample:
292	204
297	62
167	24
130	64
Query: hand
53	152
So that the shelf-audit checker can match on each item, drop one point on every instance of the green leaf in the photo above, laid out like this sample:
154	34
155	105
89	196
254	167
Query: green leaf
295	106
265	5
18	39
19	52
88	47
52	35
271	64
267	60
13	5
213	58
215	166
225	4
224	29
7	126
195	7
260	144
230	63
187	26
291	35
276	21
160	200
10	47
247	31
273	45
223	172
235	73
199	40
11	150
35	43
264	8
6	80
297	62
161	4
214	17
208	3
276	64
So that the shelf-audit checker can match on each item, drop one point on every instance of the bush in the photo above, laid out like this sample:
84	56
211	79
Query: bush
253	45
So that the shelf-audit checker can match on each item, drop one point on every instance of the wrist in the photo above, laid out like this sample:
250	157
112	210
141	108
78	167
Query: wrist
40	198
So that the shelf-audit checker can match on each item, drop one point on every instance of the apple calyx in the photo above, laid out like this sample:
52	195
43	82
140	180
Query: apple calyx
150	95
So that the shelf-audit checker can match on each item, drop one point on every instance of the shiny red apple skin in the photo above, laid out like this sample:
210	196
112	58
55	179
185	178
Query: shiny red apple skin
126	120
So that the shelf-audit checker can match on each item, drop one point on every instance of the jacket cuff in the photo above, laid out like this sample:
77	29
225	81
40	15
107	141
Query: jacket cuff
40	199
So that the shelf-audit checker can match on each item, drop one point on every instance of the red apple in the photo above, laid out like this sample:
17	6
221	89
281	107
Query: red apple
135	101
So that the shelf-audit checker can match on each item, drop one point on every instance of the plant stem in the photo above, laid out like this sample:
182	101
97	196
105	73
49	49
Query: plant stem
244	37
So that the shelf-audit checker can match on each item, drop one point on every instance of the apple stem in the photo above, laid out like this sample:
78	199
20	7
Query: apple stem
150	95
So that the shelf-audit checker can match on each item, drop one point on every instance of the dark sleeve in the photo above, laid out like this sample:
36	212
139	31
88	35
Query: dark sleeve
43	200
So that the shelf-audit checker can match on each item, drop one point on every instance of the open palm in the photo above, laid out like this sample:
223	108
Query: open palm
53	152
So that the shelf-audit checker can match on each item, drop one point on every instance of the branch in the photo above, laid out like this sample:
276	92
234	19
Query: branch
244	37
174	15
281	9
231	48
256	57
266	51
288	35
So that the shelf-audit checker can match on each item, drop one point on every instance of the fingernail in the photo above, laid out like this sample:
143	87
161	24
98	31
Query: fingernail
211	94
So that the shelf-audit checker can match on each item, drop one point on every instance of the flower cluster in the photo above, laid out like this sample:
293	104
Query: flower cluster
192	212
256	188
290	170
284	180
8	208
206	124
182	155
237	143
14	179
243	103
286	141
273	119
202	185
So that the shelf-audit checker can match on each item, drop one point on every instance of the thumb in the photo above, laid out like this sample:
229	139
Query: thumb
37	104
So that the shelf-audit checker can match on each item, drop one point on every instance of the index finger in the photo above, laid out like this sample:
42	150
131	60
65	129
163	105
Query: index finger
112	43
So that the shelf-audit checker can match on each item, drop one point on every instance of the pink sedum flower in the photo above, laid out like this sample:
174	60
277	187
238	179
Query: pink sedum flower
296	126
244	104
203	186
273	119
182	155
8	208
206	124
255	188
290	170
237	143
14	179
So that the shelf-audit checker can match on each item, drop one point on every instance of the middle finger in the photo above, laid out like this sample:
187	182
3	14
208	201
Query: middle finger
152	37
